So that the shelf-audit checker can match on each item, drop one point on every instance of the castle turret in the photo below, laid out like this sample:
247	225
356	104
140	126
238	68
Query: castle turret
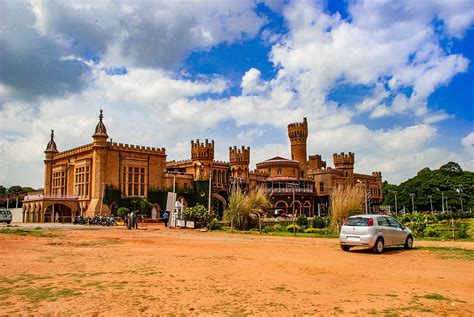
99	167
344	162
298	134
100	136
51	149
239	162
202	155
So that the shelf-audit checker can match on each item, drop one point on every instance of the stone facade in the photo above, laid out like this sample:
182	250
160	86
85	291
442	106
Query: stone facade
75	180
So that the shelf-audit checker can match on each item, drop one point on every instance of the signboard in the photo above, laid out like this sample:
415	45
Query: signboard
190	224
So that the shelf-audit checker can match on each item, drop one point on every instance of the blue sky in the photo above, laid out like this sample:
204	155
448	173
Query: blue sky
390	81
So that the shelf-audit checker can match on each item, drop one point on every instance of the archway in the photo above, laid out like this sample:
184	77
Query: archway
298	206
58	213
281	206
307	208
217	206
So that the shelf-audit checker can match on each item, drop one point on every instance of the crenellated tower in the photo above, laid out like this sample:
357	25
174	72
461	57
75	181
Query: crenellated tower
239	162
298	134
202	155
51	149
344	162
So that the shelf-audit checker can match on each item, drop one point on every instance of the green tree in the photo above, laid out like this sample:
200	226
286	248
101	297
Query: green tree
3	189
15	189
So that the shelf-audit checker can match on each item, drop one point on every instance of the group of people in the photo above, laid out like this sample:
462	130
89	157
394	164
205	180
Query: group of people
131	220
132	223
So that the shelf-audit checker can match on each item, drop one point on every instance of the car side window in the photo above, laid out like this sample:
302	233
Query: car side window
382	221
394	223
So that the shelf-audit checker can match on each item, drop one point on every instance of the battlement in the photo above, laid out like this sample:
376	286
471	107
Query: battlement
140	148
377	174
298	131
316	163
343	160
241	155
202	151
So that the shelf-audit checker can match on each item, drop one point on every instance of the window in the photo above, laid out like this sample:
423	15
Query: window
133	181
279	171
393	223
382	221
59	183
321	186
81	181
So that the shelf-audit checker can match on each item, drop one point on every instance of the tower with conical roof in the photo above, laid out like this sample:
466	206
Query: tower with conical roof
51	149
99	168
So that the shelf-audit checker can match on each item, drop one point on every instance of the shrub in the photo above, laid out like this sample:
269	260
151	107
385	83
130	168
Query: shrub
302	221
196	213
319	222
345	202
122	211
267	229
214	224
278	228
311	230
245	210
296	228
431	232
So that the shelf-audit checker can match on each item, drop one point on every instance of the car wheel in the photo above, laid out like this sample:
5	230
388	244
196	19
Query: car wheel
378	247
345	247
9	222
409	242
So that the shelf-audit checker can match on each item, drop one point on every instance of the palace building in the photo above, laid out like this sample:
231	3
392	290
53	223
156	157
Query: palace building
76	180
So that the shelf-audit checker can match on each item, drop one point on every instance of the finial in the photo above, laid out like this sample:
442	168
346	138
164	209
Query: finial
100	115
52	134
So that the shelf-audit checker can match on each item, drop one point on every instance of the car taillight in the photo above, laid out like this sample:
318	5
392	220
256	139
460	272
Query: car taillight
371	222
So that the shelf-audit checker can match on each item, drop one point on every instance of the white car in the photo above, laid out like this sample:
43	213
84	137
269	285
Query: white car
5	216
374	231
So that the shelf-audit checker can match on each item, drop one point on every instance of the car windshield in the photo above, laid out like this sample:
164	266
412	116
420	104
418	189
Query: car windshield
357	222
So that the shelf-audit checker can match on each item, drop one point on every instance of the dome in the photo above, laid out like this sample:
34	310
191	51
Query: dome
100	130
51	147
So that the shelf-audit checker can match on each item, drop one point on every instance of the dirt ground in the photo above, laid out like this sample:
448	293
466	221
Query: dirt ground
160	271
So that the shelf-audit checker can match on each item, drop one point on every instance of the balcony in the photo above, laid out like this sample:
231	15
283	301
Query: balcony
49	197
289	190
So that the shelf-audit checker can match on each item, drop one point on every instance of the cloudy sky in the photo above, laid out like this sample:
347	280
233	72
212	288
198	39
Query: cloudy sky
391	81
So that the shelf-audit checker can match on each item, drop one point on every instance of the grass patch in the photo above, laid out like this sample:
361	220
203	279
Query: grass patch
451	253
99	242
39	294
97	285
24	232
280	289
435	296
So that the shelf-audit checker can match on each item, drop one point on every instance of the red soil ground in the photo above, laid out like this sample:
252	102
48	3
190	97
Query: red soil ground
155	270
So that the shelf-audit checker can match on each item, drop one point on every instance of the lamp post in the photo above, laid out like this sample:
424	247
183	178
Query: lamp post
412	195
365	196
293	186
442	202
396	207
431	202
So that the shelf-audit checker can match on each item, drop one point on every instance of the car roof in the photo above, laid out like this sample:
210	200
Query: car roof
368	216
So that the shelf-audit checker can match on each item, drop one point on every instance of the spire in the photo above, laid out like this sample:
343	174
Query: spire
51	147
100	130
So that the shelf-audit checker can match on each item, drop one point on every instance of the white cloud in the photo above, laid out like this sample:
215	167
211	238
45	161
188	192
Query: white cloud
390	47
468	144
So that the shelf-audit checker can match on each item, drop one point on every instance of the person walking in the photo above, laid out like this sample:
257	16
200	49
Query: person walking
166	217
134	220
